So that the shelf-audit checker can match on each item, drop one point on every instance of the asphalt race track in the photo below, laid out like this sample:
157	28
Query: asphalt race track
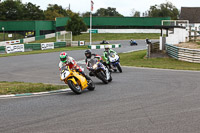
138	100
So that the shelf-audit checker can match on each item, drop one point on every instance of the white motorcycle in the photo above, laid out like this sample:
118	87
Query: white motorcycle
114	62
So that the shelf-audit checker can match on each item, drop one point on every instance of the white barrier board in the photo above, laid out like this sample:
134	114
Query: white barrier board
49	45
15	48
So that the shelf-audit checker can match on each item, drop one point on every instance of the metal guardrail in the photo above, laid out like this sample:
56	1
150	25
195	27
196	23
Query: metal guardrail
184	54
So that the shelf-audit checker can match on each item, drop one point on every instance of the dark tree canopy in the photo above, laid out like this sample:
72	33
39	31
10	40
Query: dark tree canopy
33	12
164	10
54	11
11	10
111	12
86	14
16	10
76	24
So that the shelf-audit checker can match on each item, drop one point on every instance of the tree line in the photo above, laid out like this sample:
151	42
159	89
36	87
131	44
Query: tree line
16	10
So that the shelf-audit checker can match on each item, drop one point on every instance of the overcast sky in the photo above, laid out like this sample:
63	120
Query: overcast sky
124	7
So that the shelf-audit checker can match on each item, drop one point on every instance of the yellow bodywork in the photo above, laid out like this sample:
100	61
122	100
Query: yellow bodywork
77	78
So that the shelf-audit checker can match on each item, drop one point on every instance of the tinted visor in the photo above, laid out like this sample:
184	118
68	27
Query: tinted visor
63	59
88	55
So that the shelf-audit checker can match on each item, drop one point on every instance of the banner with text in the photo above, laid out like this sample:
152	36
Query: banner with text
49	45
15	48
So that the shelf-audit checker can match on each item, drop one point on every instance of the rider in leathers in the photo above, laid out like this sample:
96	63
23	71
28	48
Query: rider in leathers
89	56
66	60
106	55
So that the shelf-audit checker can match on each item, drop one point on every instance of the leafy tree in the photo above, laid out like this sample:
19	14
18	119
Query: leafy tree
102	12
86	14
164	10
135	13
32	12
11	10
54	11
76	24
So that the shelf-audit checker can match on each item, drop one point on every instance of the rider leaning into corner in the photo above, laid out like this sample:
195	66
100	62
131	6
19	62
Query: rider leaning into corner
66	60
106	55
89	56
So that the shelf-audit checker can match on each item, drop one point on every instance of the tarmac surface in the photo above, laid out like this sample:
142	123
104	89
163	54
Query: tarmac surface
140	100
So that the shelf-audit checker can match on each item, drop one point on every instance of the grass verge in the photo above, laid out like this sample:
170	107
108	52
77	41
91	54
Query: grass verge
46	51
21	87
138	59
15	36
107	36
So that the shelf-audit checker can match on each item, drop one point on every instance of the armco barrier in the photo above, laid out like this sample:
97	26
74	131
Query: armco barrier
59	44
184	54
103	46
40	37
33	46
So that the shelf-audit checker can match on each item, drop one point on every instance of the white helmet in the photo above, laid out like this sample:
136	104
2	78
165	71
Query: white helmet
107	47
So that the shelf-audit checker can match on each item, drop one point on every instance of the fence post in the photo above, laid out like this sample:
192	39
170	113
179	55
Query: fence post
148	50
195	34
190	30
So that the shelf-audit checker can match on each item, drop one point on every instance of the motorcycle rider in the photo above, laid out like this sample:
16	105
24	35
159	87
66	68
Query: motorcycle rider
89	55
106	55
148	41
133	42
66	60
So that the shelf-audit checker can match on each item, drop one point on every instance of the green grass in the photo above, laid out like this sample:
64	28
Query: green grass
21	87
53	39
46	51
138	59
15	37
107	36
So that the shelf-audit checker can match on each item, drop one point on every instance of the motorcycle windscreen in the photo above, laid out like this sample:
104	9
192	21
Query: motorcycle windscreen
93	62
112	57
64	72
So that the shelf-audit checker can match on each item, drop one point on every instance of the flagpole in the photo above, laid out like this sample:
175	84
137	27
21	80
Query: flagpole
91	22
91	28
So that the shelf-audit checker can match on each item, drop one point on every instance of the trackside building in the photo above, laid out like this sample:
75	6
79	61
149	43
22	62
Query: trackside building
99	24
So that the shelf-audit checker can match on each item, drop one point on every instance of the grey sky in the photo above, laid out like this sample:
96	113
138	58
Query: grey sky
124	7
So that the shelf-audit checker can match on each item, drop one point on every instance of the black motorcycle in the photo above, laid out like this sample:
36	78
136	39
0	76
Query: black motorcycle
104	42
99	70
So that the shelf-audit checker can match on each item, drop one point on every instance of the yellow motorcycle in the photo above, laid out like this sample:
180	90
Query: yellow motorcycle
76	81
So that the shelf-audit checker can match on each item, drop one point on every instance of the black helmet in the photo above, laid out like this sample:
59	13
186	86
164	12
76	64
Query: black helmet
88	53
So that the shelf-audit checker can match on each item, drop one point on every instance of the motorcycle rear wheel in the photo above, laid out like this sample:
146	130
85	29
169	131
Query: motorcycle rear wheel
75	88
91	86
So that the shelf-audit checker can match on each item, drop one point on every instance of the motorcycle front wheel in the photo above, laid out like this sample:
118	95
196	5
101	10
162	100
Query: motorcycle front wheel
75	88
119	68
102	76
110	79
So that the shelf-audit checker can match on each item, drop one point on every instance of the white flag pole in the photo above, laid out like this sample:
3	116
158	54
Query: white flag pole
91	22
91	28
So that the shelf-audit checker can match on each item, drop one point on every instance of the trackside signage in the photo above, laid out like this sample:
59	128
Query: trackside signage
49	45
15	48
81	43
